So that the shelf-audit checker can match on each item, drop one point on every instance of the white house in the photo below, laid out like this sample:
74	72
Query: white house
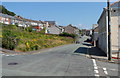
95	34
51	28
115	28
21	22
6	19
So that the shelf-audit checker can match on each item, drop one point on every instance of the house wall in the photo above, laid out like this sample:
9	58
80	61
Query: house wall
54	30
114	30
119	37
76	31
69	29
119	30
103	32
1	19
95	34
119	26
5	20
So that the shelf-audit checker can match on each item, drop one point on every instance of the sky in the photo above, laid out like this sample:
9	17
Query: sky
80	14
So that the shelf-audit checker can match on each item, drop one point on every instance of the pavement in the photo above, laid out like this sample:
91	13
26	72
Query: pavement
68	60
98	54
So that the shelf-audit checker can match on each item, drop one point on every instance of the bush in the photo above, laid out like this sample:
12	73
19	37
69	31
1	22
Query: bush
68	35
29	29
9	40
17	39
10	27
42	31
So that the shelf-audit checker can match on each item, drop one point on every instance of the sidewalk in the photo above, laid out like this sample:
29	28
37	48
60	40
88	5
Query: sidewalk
98	54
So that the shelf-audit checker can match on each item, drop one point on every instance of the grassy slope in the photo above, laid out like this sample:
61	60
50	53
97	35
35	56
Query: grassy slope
22	40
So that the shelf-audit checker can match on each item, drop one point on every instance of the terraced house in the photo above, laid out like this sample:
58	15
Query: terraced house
20	21
52	28
7	19
71	29
115	28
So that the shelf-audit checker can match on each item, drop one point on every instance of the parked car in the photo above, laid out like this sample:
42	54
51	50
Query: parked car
77	42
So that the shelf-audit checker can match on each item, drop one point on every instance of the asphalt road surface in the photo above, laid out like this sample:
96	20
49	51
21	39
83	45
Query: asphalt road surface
60	61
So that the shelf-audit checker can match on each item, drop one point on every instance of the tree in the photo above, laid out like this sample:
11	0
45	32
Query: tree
5	11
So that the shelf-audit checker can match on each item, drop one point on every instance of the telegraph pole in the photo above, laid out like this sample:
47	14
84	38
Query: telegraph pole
109	31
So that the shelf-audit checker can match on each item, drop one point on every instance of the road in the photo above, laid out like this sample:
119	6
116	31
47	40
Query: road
60	61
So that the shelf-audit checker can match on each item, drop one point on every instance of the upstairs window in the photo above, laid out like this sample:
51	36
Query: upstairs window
114	10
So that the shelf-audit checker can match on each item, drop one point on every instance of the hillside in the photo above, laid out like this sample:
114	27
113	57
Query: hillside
5	11
19	40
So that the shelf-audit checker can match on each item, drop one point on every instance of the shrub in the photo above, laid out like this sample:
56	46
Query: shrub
68	35
26	40
29	29
10	27
9	40
42	31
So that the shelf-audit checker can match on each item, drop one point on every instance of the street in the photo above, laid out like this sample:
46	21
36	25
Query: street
61	61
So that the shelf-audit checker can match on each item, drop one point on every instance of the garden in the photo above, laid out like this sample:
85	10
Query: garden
25	39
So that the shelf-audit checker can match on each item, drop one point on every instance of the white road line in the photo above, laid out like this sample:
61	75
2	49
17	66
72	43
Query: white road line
7	55
97	75
109	69
96	71
113	69
95	68
105	71
94	62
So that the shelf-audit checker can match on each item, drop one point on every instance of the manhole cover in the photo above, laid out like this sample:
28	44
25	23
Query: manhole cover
12	63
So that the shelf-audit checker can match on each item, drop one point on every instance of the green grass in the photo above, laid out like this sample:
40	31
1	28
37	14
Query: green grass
17	39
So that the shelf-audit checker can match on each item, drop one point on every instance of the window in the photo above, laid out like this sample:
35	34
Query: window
6	19
114	10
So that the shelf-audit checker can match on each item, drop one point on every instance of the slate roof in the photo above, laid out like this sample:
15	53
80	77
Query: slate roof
7	16
51	22
114	2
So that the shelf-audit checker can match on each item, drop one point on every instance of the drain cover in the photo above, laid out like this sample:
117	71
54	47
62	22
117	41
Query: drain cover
12	63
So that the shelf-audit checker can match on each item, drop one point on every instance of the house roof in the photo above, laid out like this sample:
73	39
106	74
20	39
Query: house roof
62	26
106	8
18	18
50	22
114	2
6	16
72	26
96	28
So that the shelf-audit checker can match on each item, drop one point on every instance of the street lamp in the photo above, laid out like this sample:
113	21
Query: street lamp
109	30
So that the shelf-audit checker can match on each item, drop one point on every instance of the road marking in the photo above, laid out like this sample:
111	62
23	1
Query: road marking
95	68
105	71
3	54
113	69
94	63
109	69
96	71
97	75
7	55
